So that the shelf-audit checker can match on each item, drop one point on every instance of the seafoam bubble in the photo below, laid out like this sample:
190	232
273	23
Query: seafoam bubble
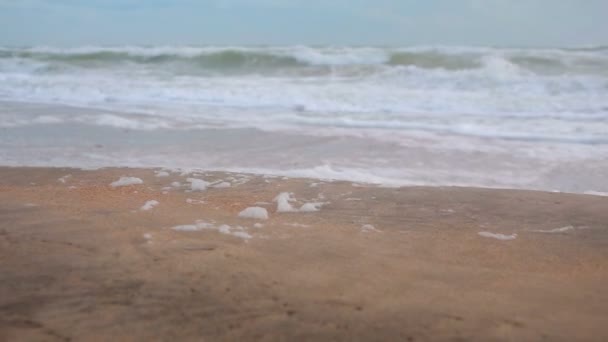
496	236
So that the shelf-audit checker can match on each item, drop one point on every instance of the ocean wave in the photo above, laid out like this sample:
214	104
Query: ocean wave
556	95
255	59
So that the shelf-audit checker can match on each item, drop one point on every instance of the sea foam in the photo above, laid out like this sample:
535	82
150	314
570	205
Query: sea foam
501	237
126	181
254	213
149	205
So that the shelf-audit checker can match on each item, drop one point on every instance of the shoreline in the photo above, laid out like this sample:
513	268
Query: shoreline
63	136
291	175
84	260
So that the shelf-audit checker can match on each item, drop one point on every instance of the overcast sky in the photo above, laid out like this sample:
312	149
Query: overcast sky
375	22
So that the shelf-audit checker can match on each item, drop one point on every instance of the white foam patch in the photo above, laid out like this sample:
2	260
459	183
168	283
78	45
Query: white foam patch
283	205
501	237
197	184
193	201
596	193
257	213
258	225
186	228
224	229
204	225
149	205
126	181
176	184
237	231
148	236
64	179
162	174
311	207
221	185
297	225
368	228
556	230
242	235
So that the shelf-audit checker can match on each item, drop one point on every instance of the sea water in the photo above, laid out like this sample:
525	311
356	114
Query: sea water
436	115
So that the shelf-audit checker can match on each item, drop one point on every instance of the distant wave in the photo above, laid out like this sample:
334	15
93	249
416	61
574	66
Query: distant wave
251	59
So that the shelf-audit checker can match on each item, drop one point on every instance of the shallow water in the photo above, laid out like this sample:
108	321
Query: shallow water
386	157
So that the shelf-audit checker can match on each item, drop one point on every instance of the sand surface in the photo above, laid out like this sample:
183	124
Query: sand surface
80	260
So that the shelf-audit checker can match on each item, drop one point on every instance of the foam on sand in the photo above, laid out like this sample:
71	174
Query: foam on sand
258	213
311	207
556	230
162	174
193	201
64	179
283	205
126	181
368	228
242	235
197	184
224	229
149	205
237	231
186	228
501	237
298	225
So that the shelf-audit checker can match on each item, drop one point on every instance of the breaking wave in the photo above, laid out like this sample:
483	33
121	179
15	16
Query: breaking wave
256	59
546	94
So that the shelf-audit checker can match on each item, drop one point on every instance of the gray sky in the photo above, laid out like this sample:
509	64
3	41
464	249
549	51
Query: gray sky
375	22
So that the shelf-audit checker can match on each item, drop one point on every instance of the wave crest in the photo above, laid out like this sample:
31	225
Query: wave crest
277	59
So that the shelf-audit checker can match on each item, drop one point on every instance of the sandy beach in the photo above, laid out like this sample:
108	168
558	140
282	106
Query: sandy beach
265	170
83	260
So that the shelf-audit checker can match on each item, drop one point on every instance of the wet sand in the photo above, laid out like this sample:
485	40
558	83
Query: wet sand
80	261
